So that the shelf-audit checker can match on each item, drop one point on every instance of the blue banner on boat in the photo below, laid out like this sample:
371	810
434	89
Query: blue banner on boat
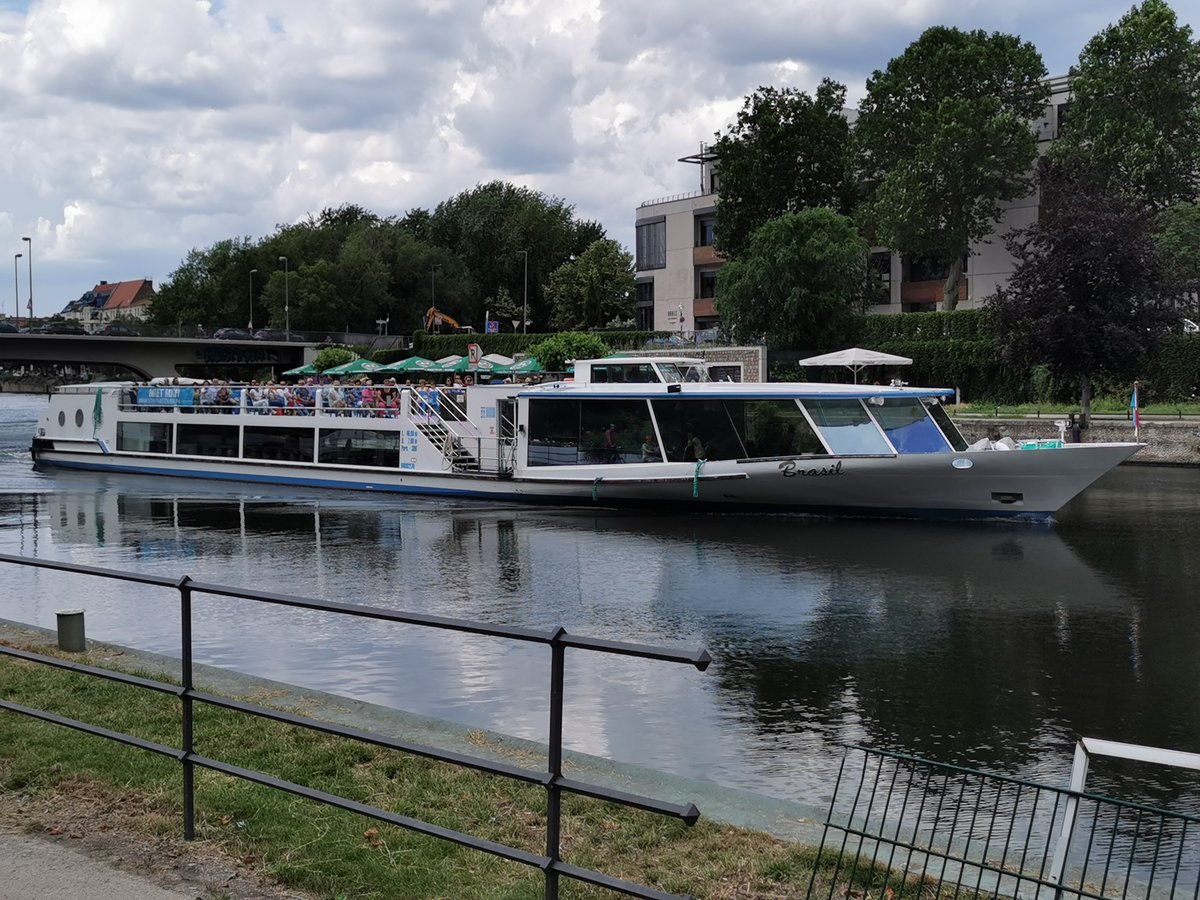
165	396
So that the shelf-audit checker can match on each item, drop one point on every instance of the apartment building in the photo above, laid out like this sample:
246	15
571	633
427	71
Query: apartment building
676	265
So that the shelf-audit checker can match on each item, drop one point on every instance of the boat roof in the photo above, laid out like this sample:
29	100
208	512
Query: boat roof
730	389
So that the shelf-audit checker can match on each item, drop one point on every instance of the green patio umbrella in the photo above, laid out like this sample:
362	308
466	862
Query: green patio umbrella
463	364
525	366
302	370
411	364
358	366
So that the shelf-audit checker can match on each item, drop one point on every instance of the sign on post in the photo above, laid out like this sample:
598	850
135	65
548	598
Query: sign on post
474	354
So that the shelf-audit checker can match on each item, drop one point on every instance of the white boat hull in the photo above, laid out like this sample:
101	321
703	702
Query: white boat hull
1028	483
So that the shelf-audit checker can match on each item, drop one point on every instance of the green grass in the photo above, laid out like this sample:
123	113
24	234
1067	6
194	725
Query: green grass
332	853
1106	406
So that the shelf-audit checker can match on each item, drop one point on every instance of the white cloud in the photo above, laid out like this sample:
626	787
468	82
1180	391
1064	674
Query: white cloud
138	129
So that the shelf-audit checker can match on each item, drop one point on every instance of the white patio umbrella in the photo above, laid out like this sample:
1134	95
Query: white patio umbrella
856	359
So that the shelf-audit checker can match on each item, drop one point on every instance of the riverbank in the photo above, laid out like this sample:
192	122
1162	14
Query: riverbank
327	851
1172	442
30	385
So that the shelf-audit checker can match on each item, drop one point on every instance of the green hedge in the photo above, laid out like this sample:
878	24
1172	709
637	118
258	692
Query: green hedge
1174	375
435	346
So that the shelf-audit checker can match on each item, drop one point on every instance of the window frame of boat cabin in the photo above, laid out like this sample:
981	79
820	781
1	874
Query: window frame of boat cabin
884	441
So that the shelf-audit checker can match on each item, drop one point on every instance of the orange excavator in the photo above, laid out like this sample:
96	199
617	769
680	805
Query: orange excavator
435	319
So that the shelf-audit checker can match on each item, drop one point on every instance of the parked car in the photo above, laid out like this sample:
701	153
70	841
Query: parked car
233	334
271	334
116	329
60	328
9	328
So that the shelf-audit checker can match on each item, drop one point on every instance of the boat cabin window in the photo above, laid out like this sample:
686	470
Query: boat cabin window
694	428
207	440
599	431
352	447
778	428
671	373
291	444
908	427
945	423
846	427
624	373
144	437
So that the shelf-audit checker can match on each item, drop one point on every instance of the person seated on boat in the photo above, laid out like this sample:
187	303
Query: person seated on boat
468	381
302	396
225	399
256	399
650	449
208	394
332	398
693	449
276	401
366	399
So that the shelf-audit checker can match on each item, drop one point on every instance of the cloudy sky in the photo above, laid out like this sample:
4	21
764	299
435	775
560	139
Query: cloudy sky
134	130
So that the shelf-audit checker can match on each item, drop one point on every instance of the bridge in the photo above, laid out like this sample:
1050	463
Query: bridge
147	357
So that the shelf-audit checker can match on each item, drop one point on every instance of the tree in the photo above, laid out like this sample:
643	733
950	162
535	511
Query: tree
557	350
328	357
503	307
1134	118
787	151
800	283
1177	231
1087	297
944	138
593	290
209	287
487	227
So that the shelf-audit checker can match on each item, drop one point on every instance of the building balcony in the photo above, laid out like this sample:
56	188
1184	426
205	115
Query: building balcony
706	256
704	306
929	291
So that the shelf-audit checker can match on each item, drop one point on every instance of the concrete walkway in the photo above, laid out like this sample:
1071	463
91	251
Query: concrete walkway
33	866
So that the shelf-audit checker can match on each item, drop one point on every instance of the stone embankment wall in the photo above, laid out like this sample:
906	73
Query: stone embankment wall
30	385
1169	442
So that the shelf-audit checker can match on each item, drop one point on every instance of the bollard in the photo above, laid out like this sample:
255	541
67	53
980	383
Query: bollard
70	631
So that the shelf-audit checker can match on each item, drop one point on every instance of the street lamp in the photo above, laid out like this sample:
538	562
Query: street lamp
525	302
29	251
681	321
252	271
287	313
17	288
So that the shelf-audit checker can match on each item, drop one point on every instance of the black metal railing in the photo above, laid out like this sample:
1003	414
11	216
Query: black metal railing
552	779
898	824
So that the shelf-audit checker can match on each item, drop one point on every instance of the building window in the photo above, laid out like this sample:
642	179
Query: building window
706	289
880	287
652	245
1062	111
706	231
644	306
925	268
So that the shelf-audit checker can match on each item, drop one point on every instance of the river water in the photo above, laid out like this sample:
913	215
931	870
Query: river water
986	645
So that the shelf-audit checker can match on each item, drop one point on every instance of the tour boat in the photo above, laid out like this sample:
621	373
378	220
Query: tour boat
630	431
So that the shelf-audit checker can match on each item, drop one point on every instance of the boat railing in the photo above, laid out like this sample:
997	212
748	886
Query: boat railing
382	401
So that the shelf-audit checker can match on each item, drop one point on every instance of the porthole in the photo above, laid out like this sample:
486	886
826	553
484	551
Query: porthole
62	418
79	418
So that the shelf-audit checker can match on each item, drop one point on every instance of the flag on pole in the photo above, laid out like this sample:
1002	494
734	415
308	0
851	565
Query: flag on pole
1133	406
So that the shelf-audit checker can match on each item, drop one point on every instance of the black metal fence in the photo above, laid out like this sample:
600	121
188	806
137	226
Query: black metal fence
902	825
553	780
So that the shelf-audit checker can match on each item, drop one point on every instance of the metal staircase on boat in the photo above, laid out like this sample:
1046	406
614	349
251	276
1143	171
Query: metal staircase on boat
432	414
